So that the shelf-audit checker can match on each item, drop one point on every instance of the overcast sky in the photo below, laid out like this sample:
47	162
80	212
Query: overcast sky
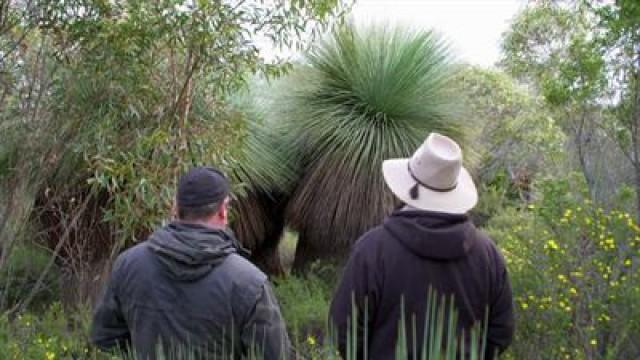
473	27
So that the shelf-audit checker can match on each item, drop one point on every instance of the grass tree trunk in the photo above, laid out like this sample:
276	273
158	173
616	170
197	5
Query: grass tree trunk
259	225
310	249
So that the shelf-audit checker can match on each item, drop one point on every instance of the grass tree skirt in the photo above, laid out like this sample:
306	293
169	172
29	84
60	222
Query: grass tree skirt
343	204
259	226
367	94
262	176
308	251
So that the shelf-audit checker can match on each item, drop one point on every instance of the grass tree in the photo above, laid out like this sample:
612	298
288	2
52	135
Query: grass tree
365	94
263	176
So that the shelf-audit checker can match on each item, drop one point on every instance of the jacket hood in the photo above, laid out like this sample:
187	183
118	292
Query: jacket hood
433	235
190	251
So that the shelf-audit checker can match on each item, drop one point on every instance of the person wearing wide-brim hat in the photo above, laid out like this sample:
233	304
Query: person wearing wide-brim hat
429	243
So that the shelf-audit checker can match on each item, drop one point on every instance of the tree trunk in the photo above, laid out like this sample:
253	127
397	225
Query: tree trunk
581	142
307	253
4	220
636	168
259	225
635	135
268	260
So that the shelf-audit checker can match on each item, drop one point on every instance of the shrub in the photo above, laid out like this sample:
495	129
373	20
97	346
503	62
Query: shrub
305	306
55	334
23	268
60	334
574	269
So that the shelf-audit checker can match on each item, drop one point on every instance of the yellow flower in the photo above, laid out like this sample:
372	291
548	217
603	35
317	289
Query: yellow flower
573	291
604	317
50	355
610	243
311	340
594	342
552	244
562	278
524	306
627	262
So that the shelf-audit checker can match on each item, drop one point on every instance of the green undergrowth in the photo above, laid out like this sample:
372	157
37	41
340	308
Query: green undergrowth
305	306
59	333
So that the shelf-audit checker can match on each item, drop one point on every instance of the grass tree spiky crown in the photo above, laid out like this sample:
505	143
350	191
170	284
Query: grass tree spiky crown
365	95
263	176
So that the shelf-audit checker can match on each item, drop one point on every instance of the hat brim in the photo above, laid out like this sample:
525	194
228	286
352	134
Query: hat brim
457	201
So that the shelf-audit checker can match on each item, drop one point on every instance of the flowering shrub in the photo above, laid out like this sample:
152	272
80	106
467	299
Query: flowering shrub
54	335
574	269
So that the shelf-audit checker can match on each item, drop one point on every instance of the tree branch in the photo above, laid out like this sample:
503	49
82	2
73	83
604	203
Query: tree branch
61	242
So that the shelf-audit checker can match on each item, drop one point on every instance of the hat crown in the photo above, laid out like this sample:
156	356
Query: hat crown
437	163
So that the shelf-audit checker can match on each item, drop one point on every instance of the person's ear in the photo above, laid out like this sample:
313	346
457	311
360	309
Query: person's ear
223	214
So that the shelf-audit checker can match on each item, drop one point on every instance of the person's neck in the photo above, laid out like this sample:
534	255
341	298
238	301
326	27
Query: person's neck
207	224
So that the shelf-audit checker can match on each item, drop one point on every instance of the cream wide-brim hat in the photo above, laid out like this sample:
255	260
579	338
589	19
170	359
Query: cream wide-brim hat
433	179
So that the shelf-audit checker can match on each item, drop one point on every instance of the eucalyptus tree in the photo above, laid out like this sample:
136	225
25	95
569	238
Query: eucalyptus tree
516	140
550	47
26	76
618	42
584	58
141	93
365	94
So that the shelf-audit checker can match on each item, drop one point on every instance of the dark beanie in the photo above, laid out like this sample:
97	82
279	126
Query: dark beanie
202	186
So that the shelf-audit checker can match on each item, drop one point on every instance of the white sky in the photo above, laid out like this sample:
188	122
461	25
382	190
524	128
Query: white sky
473	27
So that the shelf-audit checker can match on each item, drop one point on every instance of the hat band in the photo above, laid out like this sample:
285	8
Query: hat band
414	190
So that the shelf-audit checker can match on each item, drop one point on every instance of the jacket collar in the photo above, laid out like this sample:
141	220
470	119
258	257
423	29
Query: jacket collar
438	236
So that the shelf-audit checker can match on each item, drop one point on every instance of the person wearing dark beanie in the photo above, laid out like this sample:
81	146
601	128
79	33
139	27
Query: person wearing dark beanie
188	290
202	187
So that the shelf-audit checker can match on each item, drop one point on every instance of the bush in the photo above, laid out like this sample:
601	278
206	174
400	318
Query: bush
305	306
59	334
55	334
24	266
574	269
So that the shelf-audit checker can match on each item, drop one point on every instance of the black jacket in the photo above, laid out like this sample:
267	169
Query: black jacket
400	260
186	289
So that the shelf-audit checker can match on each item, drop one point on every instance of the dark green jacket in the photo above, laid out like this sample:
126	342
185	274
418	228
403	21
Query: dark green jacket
187	289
